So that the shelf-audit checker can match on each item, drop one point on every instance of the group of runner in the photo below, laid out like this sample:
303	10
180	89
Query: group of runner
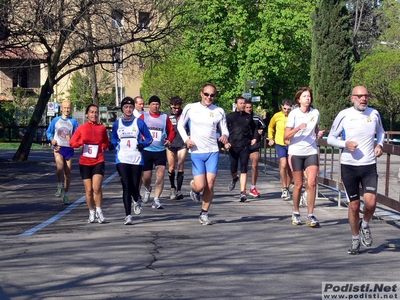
148	140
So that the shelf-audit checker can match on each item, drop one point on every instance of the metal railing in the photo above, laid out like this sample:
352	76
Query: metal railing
329	170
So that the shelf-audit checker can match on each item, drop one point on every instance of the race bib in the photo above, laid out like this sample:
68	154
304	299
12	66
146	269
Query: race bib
156	135
90	150
128	144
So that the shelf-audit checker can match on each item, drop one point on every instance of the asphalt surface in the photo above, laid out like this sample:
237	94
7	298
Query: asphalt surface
49	251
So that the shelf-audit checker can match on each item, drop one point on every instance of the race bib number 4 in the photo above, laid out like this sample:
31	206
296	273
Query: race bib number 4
90	150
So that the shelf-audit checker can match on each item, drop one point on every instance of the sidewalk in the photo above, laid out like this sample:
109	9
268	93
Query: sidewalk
251	252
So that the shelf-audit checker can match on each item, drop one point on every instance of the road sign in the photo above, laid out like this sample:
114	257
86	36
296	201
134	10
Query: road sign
246	95
50	109
256	99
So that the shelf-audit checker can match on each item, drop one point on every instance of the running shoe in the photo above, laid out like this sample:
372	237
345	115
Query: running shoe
204	220
291	187
128	220
59	191
354	247
296	219
147	193
137	207
100	217
91	216
242	196
232	184
195	196
172	194
303	200
179	195
254	192
312	221
157	204
66	200
285	194
366	236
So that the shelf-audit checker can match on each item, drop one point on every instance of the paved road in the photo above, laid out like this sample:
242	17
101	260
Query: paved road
48	251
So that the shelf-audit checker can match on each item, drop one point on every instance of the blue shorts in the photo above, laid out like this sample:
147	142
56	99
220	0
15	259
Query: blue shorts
203	163
66	152
282	151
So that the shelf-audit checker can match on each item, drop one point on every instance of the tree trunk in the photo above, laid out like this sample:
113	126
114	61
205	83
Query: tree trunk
24	148
93	81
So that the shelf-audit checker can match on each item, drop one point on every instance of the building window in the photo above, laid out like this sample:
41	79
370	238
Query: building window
144	20
20	78
117	17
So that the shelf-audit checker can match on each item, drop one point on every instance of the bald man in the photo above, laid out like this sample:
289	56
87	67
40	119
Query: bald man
59	133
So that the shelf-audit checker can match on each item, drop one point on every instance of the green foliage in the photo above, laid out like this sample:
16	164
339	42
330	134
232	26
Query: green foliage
81	93
380	73
7	113
179	75
390	21
239	40
331	67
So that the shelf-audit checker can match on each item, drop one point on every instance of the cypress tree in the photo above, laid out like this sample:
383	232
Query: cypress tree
331	53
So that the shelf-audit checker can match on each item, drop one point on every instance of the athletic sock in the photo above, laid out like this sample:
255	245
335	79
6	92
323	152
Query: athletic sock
179	180
364	224
171	176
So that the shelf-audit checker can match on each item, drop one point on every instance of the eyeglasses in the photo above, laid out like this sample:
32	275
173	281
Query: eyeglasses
286	108
360	96
175	107
209	95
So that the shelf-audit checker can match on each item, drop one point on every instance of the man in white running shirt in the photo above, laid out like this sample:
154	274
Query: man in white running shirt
204	118
358	126
139	106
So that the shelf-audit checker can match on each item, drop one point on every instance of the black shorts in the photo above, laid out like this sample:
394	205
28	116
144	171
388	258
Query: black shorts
300	162
87	172
353	176
176	149
151	159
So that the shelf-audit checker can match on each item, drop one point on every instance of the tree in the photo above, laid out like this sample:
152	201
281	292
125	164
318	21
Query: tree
390	23
331	67
364	18
80	92
239	40
380	72
179	75
59	29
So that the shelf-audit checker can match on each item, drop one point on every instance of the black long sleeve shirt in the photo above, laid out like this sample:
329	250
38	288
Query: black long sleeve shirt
242	129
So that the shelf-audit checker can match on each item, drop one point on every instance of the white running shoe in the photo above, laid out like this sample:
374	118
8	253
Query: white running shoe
285	194
100	217
128	220
91	216
172	194
147	193
303	200
137	207
204	220
157	204
296	219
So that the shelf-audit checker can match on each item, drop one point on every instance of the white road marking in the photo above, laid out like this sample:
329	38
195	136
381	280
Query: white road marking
68	209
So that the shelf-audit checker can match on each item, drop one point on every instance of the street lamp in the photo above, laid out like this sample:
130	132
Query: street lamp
252	85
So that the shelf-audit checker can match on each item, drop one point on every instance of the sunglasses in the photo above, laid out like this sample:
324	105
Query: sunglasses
286	108
175	107
209	95
360	96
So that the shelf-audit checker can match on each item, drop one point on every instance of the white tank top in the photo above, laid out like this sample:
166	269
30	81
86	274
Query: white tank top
128	140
